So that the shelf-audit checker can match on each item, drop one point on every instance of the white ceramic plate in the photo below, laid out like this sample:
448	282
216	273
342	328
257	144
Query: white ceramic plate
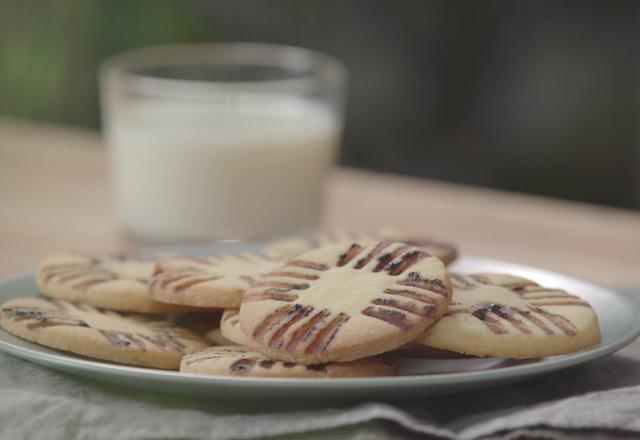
619	320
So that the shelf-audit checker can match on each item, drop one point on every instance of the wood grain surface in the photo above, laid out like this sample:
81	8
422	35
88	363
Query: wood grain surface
54	195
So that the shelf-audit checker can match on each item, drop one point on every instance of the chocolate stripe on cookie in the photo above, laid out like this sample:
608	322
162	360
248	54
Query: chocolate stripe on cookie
276	338
273	319
266	363
558	320
452	312
46	316
168	279
282	285
351	253
418	296
385	259
408	307
326	334
193	282
462	282
92	282
374	252
493	324
154	341
54	271
56	322
392	317
527	314
305	331
242	366
115	338
405	262
308	265
134	339
274	294
435	285
507	314
290	274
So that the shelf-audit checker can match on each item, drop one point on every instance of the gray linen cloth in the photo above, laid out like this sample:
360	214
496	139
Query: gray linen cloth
598	400
38	403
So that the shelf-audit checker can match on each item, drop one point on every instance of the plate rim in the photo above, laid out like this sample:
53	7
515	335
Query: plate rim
70	361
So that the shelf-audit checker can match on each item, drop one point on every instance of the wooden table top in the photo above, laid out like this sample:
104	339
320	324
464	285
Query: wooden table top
54	195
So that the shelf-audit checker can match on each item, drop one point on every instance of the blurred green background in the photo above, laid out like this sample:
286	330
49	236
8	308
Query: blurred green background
533	96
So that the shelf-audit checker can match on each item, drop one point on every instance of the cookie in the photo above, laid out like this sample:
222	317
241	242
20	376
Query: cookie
217	281
509	316
446	252
242	361
230	327
108	282
217	338
291	247
345	302
131	339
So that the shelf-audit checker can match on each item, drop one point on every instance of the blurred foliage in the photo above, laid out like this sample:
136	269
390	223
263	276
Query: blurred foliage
50	50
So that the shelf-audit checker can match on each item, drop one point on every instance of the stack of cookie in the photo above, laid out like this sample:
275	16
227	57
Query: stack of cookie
333	305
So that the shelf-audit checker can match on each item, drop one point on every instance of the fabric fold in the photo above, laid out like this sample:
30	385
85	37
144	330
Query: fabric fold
598	400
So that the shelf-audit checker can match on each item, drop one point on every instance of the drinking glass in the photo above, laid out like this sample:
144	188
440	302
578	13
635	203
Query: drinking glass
220	141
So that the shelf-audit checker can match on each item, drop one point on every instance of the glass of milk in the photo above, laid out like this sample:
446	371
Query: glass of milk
220	141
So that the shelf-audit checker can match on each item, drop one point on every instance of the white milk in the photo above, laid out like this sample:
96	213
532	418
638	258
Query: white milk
195	170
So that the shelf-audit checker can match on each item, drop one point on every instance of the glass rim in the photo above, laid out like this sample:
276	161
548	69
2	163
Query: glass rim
319	65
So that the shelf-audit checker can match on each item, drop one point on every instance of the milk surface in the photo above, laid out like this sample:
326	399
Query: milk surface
193	170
